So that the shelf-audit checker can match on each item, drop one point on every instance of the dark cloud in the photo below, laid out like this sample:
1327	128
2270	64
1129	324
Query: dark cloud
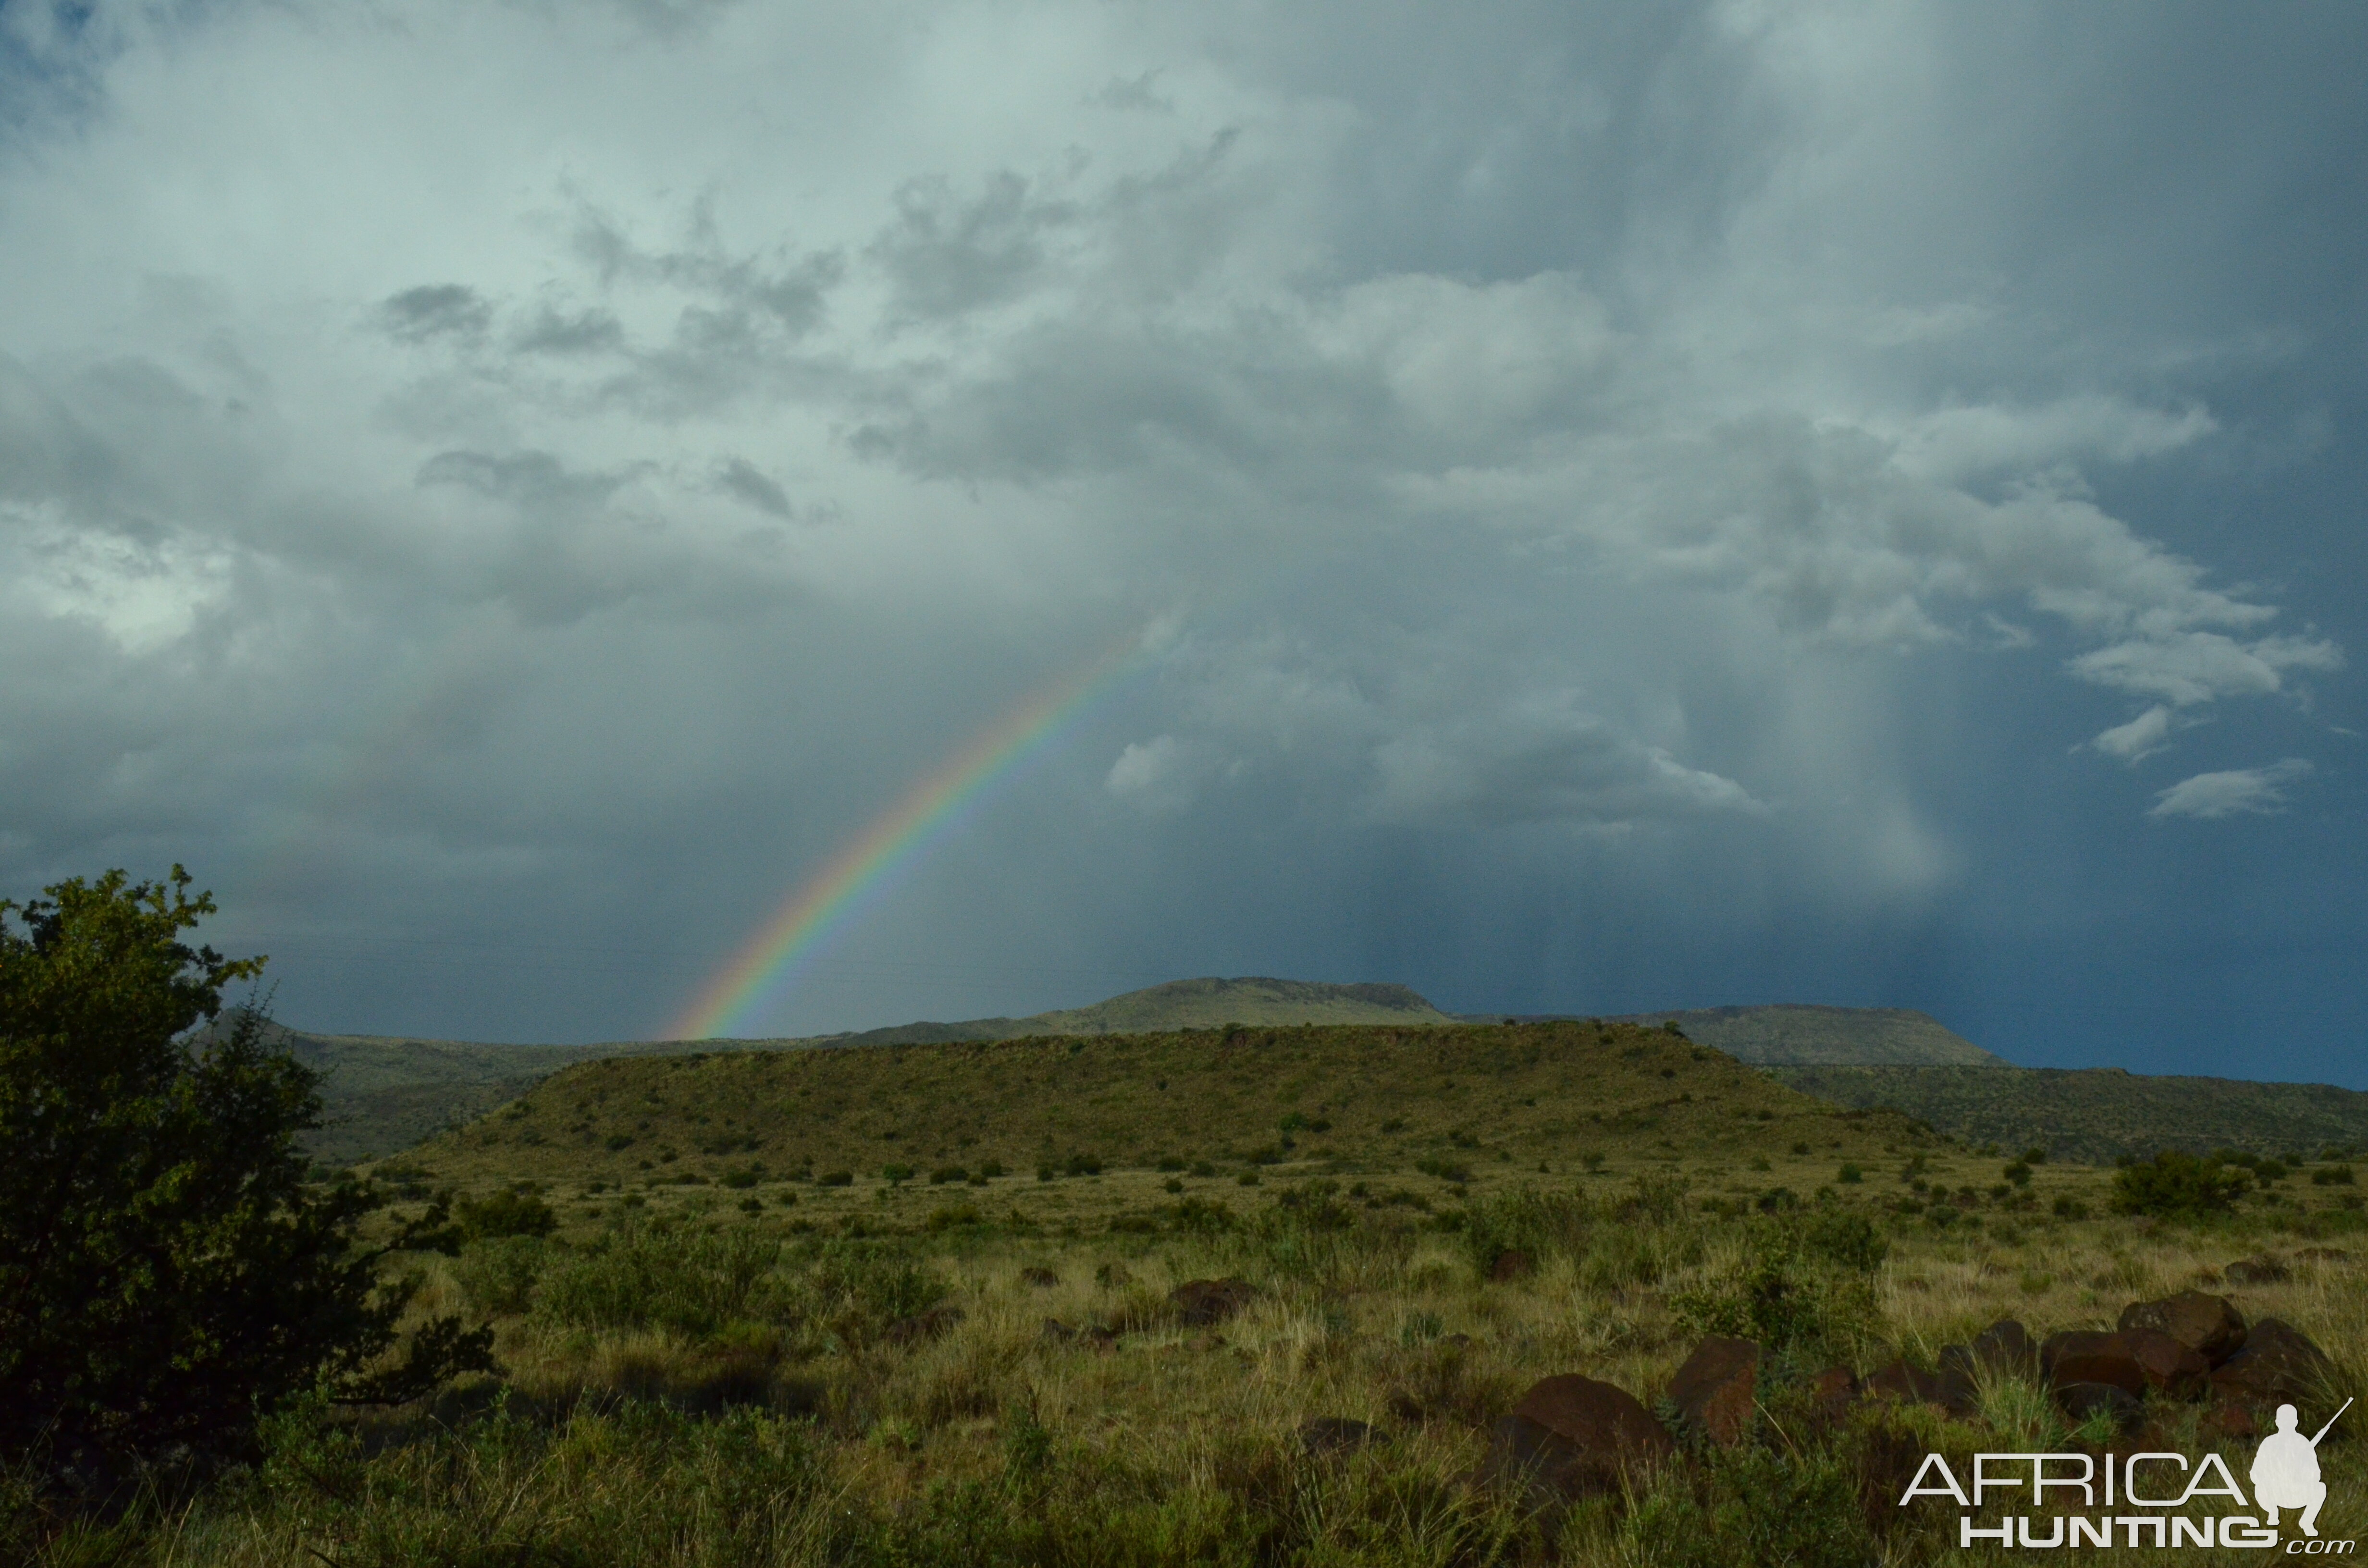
948	252
1620	508
744	479
435	310
582	332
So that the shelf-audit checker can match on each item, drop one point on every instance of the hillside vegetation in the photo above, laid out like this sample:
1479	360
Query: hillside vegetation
1787	1034
2099	1114
380	1093
1459	1097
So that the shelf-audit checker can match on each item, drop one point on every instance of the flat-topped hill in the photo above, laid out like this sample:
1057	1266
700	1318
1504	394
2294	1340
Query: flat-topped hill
1210	1003
1453	1096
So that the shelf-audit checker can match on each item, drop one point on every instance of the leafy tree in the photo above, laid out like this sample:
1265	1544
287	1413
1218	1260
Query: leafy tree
167	1270
2178	1184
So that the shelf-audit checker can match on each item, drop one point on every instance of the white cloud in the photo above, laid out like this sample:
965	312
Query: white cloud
2138	739
1159	776
2188	667
2256	790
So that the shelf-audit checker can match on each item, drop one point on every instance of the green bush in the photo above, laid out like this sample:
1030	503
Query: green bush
167	1266
1539	1224
512	1211
498	1276
741	1178
1849	1174
1788	1294
642	1276
835	1178
872	1283
2338	1175
895	1176
1755	1504
2178	1185
945	1175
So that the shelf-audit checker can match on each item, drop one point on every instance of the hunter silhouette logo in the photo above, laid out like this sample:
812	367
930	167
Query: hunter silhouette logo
2286	1471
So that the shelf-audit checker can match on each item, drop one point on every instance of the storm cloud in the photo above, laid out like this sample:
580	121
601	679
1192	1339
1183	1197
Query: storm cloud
1611	507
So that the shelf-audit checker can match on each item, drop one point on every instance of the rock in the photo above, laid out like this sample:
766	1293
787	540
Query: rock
2278	1365
923	1327
2226	1421
2005	1349
2209	1325
2081	1399
1570	1437
1199	1303
1949	1388
1328	1434
1713	1391
1056	1332
1042	1277
2082	1356
2263	1270
2170	1367
1512	1264
1100	1340
1833	1391
2323	1255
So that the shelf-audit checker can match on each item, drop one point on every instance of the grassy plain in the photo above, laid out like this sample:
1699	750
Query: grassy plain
756	1367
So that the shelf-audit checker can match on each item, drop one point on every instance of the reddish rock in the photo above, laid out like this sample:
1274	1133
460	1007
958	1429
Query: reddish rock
2005	1348
1713	1391
2226	1421
2080	1356
2170	1367
1596	1415
1949	1388
1833	1391
1512	1264
1572	1436
1199	1303
2262	1270
2278	1365
923	1325
2209	1325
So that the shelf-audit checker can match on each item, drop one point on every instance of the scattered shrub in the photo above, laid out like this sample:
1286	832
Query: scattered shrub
870	1285
513	1212
1787	1294
835	1178
2338	1175
1849	1174
741	1178
944	1174
895	1176
498	1276
640	1276
2174	1184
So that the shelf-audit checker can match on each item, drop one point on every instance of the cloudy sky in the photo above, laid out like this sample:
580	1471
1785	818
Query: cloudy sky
1614	508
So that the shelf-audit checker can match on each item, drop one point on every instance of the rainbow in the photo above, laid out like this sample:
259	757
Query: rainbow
830	899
